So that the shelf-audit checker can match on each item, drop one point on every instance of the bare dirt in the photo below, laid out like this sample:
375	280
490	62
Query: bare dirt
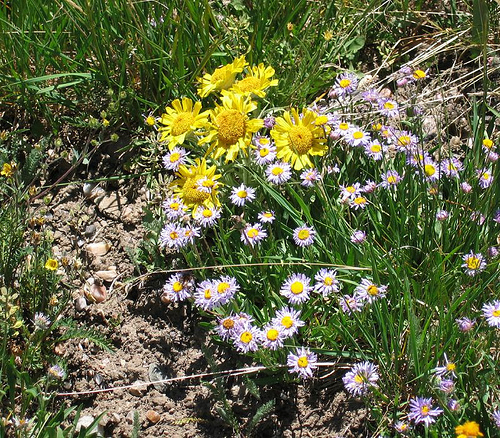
145	332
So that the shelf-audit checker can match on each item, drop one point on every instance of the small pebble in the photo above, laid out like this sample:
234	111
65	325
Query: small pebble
153	416
80	304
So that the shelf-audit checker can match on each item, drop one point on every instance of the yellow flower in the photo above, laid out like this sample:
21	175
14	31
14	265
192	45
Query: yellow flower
197	185
298	138
470	429
328	35
51	264
8	170
290	26
230	129
180	120
222	78
257	80
150	120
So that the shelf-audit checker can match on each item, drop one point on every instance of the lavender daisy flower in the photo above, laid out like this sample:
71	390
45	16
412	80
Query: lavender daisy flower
448	368
191	233
369	187
388	108
56	372
266	217
310	177
304	235
390	179
340	129
358	237
302	362
246	338
402	427
174	208
447	386
178	287
465	324
371	95
172	236
358	202
361	378
485	178
451	167
346	83
296	288
207	217
206	185
404	140
442	215
417	158
326	282
242	195
206	295
473	263
226	326
492	252
421	411
431	170
269	122
492	157
496	216
375	150
369	292
491	311
357	137
350	304
288	319
265	153
496	417
350	191
253	234
41	321
453	405
174	158
272	336
279	172
226	287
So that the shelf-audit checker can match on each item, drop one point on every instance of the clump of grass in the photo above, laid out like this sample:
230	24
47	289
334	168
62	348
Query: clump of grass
336	230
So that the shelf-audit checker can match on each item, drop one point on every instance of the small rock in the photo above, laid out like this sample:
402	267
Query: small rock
115	418
110	205
98	248
90	230
108	275
80	304
138	390
87	189
86	421
130	417
153	416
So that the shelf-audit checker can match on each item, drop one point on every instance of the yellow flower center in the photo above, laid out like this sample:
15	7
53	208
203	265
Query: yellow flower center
246	337
207	294
264	152
223	287
242	194
191	194
208	183
344	126
150	120
372	290
472	262
350	189
496	313
451	367
301	139
391	179
51	264
228	324
272	334
303	234
357	135
248	84
177	286
358	378
328	281
175	157
277	171
207	213
344	83
287	322
485	176
487	143
360	200
389	105
252	232
263	140
302	362
404	140
429	169
232	126
377	126
425	410
375	147
175	206
419	74
297	287
174	235
268	215
182	123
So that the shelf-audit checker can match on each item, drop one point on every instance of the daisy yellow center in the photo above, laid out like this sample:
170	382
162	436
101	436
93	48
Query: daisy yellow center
429	169
242	194
287	322
175	157
252	233
496	313
302	362
487	143
268	215
264	152
150	120
174	235
248	84
182	123
360	200
451	367
419	74
51	264
321	120
485	176
297	287
272	334
391	179
424	410
207	213
358	378
404	140
177	286
228	324
357	135
389	105
246	337
344	83
301	139
207	294
303	234
377	126
223	287
328	281
263	141
473	263
277	171
175	206
372	290
191	194
375	148
232	126
351	189
344	126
